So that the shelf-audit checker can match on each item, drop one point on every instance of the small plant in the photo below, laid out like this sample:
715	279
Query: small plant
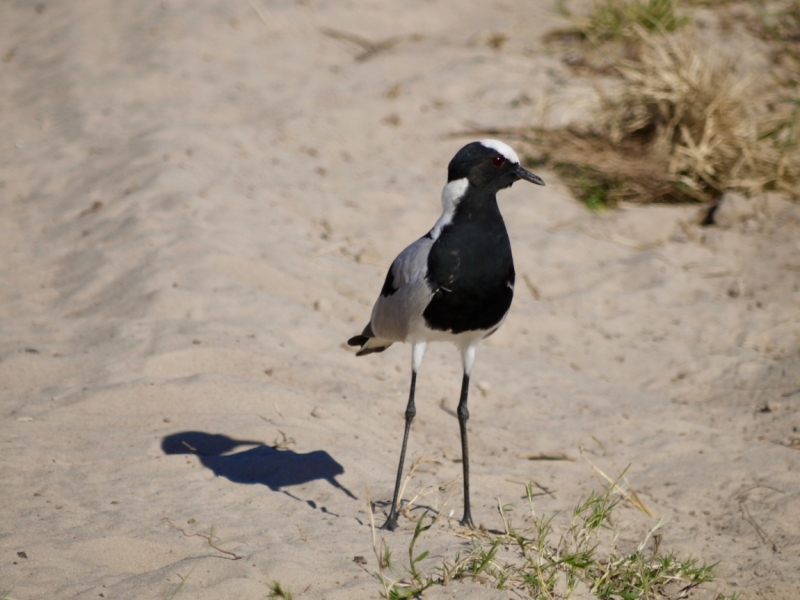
413	561
540	564
174	592
397	589
611	19
276	590
592	187
614	20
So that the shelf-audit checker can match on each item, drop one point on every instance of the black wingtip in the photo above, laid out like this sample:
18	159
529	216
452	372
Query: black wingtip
357	340
361	340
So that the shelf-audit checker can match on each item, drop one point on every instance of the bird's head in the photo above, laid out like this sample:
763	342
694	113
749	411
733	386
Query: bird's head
490	165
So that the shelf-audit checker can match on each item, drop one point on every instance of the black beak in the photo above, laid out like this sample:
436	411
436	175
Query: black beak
523	173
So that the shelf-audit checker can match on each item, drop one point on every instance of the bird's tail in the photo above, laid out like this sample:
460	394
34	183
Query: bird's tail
369	342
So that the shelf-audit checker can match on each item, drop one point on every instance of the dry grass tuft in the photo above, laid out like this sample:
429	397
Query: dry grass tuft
717	128
683	128
687	120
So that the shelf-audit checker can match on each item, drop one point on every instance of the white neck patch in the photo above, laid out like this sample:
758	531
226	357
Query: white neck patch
452	193
504	149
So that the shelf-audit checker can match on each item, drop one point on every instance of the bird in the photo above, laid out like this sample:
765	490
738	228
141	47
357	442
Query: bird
454	284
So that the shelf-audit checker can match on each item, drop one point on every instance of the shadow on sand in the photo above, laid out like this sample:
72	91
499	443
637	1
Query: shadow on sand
263	464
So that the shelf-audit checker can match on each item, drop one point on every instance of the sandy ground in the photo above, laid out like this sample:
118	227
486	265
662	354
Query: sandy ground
198	205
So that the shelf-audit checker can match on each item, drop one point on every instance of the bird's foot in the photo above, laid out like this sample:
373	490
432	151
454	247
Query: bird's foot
466	521
391	523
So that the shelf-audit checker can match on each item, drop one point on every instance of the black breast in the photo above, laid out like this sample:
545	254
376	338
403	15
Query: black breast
471	270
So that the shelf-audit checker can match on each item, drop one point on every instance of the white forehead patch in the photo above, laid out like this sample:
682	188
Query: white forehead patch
502	148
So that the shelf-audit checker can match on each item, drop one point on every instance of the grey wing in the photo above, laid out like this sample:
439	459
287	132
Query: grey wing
405	293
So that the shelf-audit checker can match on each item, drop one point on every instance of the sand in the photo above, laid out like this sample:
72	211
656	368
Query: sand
198	206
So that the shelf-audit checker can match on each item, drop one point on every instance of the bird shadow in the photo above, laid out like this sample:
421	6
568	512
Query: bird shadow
273	467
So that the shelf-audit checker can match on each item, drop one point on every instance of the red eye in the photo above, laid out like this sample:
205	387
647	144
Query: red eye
498	161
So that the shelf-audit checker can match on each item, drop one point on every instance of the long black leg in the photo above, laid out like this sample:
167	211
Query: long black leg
463	417
411	411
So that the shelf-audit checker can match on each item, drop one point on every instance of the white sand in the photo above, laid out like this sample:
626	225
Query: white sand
256	180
